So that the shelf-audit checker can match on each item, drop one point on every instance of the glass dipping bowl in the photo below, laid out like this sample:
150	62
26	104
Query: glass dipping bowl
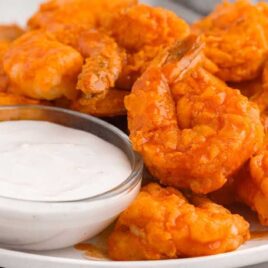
29	225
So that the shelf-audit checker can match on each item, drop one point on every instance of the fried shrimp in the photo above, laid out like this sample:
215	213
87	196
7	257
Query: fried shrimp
192	130
64	18
111	105
104	61
4	45
42	68
135	65
162	224
236	39
143	31
260	96
141	26
56	13
8	33
252	187
71	22
257	91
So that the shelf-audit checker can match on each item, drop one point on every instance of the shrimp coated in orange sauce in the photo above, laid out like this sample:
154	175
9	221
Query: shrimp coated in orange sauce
163	224
192	130
42	68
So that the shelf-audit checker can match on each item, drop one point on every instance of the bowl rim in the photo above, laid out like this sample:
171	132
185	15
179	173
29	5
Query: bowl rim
127	185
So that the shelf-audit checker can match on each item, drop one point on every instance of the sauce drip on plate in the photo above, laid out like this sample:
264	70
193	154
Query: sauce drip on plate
259	235
92	251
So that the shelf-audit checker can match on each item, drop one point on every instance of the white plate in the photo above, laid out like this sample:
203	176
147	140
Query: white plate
253	252
12	259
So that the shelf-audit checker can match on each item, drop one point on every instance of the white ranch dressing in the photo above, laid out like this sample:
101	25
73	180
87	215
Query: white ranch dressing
42	161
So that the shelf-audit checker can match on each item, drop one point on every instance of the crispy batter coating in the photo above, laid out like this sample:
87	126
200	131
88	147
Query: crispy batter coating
4	45
192	130
257	91
11	99
42	68
10	32
142	25
263	7
261	95
143	31
64	18
162	224
236	39
103	64
70	21
111	105
135	65
252	187
62	12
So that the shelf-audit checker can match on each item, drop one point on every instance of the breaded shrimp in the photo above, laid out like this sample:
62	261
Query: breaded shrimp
257	91
141	25
64	18
192	130
62	12
143	31
42	68
110	105
236	39
163	224
104	61
4	45
10	32
135	65
252	186
71	22
261	94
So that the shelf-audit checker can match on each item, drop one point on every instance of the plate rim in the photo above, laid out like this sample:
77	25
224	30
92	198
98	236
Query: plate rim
254	252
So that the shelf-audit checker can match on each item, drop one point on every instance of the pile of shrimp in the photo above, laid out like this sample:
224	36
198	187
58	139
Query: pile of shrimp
84	54
196	100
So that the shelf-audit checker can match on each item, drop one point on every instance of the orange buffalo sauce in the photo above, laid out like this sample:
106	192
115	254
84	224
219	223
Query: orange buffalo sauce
259	235
92	251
